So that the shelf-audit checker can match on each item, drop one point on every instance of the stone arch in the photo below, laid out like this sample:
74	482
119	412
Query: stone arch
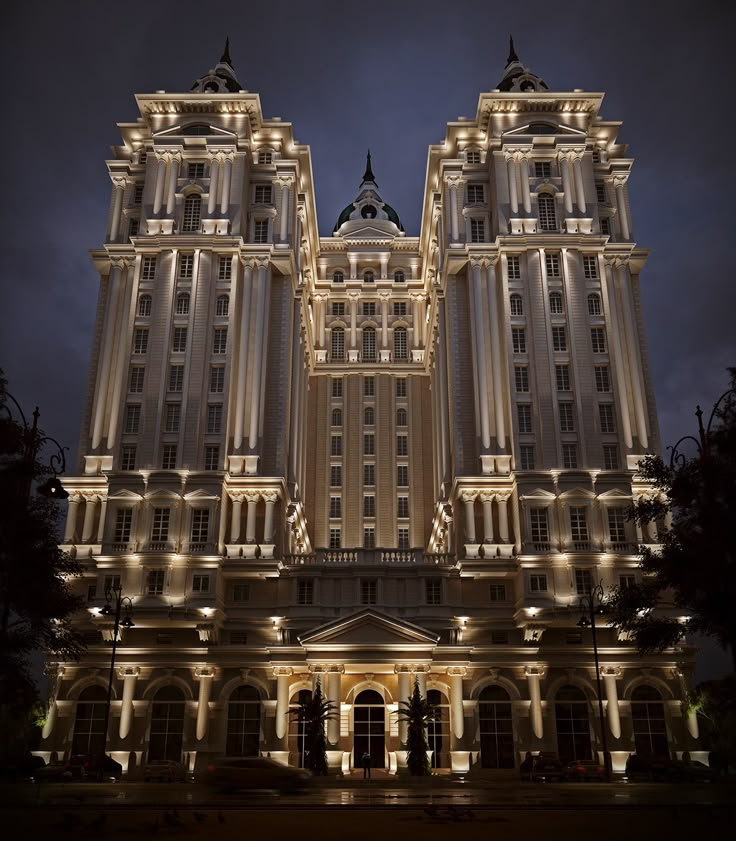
191	190
369	684
498	680
582	683
168	680
649	680
228	688
85	682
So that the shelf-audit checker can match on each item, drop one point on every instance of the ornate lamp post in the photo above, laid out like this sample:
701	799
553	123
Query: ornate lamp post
702	442
592	604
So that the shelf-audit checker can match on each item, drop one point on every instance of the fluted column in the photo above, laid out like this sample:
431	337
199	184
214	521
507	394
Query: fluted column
242	374
123	352
456	674
117	207
320	302
251	498
579	182
173	178
255	407
334	696
503	516
405	690
214	184
533	676
111	305
129	676
511	170
615	339
158	196
623	216
454	231
420	676
610	675
354	321
71	517
525	193
566	181
480	358
90	507
227	177
496	331
285	182
384	321
416	303
486	497
282	675
632	342
205	677
236	517
468	500
270	498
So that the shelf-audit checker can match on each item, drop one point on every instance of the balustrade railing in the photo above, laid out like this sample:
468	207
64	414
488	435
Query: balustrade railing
359	556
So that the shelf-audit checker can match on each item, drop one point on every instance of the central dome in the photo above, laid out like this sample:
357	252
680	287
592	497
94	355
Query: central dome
368	208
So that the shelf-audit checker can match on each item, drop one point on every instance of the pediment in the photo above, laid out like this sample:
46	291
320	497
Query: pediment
578	493
367	232
559	129
199	494
539	494
615	493
368	628
181	131
125	494
163	493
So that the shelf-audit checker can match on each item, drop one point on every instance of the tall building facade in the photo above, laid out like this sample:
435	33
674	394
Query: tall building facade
368	459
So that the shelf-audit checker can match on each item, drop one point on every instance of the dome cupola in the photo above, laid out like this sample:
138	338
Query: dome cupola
222	78
517	78
368	209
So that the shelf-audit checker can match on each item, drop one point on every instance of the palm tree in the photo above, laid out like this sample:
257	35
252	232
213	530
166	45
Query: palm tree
417	712
312	716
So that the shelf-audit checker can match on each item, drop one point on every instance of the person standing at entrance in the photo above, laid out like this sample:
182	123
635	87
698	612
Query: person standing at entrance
366	761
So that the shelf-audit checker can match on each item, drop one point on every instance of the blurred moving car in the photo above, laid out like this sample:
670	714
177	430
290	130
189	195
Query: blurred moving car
547	766
584	770
61	771
90	766
165	771
256	772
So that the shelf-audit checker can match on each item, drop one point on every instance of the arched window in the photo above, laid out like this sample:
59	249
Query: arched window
496	728
192	213
89	721
182	303
401	417
399	276
338	277
400	345
370	727
144	305
338	343
555	303
337	417
369	344
516	304
594	304
573	726
243	722
547	212
438	730
650	728
167	724
369	416
368	276
223	305
298	726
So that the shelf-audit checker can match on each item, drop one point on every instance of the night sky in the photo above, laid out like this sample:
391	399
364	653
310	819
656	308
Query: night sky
348	75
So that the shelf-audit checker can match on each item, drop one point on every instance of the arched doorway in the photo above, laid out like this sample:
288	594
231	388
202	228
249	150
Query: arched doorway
369	733
298	728
650	727
438	730
243	722
167	724
573	724
89	721
496	728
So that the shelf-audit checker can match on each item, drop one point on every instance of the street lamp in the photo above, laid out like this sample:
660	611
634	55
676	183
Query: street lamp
115	605
592	603
702	442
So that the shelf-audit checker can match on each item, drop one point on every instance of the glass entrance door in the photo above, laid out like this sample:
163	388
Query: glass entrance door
370	729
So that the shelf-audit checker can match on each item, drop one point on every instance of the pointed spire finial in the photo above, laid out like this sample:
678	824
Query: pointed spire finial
512	52
368	174
225	58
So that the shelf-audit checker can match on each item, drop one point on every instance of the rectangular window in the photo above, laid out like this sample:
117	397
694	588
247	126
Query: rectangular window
475	194
176	377
602	379
401	387
200	525
402	445
260	231
472	156
214	419
305	591
195	169
526	456
598	339
369	504
497	592
590	267
552	264
403	538
217	379
583	581
559	339
132	419
211	457
626	581
123	520
542	169
186	266
127	457
369	444
335	507
610	457
402	508
369	538
111	583
538	583
263	194
540	525
605	412
369	474
605	226
335	538
155	582
521	377
179	344
402	476
477	230
140	340
134	227
368	590
173	417
138	194
335	476
225	268
168	458
137	373
219	340
336	445
617	525
160	528
338	308
518	339
433	590
578	524
514	267
567	418
369	386
241	592
200	583
570	456
336	387
600	192
369	308
148	269
524	414
562	375
265	157
399	307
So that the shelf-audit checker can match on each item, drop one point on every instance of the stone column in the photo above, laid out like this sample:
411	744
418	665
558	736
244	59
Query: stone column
90	506
496	331
111	306
158	197
468	500
320	317
405	690
525	194
270	498
236	517
242	374
486	498
285	182
623	216
173	178
129	676
456	675
123	352
262	295
503	516
533	676
421	678
227	176
511	170
453	211
566	181
416	302
205	676
354	321
579	182
609	290
71	517
214	183
333	695
48	727
609	675
117	207
282	675
101	524
384	321
252	498
632	342
480	355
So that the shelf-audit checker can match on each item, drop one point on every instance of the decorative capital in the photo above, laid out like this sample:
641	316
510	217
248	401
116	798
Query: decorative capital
203	671
270	496
611	671
236	496
620	179
487	496
128	671
468	496
457	671
282	671
534	671
503	496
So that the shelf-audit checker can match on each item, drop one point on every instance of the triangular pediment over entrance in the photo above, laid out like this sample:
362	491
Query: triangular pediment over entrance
369	629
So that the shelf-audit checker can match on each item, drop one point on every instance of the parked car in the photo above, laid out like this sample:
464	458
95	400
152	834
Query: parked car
664	769
61	771
165	771
90	765
585	770
256	772
547	766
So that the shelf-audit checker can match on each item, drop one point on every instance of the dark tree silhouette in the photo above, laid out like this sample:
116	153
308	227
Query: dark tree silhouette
313	716
417	712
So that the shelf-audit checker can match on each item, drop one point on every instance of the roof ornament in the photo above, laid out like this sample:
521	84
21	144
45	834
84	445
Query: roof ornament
225	58
512	52
368	174
517	77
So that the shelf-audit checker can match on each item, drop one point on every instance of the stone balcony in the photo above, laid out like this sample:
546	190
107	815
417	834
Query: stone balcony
368	557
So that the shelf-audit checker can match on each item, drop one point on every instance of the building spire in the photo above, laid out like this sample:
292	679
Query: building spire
368	174
512	52
225	58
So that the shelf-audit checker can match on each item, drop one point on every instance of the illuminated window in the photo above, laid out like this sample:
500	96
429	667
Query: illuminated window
192	213
516	304
223	305
145	303
547	212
